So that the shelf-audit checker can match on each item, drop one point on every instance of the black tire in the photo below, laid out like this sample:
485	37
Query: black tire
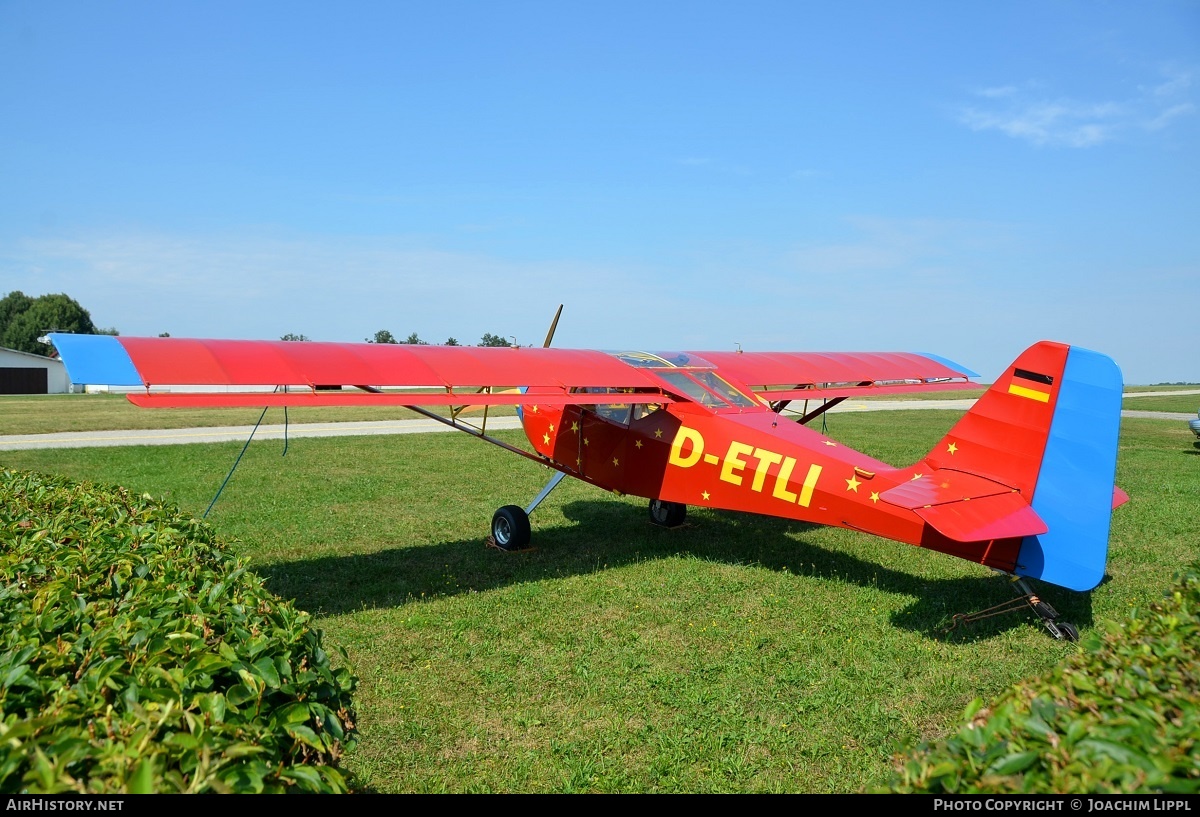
667	514
510	527
1068	630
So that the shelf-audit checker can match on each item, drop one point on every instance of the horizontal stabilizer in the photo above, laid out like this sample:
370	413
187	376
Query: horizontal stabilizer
1002	516
966	507
941	486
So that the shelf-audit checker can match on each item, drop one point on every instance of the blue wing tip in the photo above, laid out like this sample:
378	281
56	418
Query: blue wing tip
947	362
95	360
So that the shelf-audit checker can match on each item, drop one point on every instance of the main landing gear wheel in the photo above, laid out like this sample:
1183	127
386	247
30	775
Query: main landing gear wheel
667	514
510	528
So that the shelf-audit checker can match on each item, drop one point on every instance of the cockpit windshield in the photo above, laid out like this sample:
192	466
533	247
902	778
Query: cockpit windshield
662	360
690	375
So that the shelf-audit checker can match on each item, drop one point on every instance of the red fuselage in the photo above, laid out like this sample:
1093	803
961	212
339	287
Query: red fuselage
738	457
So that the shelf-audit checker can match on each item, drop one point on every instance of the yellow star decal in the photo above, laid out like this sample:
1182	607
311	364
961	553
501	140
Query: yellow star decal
952	448
658	432
874	496
852	484
705	495
552	426
546	439
616	462
917	476
575	427
637	443
535	409
831	443
585	441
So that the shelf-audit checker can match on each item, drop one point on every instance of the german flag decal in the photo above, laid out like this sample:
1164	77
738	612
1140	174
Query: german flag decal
1036	385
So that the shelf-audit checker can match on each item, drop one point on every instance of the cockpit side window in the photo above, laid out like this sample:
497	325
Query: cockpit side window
613	412
706	388
692	389
724	388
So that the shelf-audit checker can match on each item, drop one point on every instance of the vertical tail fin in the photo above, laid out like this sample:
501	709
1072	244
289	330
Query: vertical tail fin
1048	429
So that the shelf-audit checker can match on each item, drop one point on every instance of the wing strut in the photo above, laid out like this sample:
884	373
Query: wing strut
480	434
811	415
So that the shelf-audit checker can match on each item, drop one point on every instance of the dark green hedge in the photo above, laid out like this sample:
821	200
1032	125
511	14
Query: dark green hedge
1120	716
137	654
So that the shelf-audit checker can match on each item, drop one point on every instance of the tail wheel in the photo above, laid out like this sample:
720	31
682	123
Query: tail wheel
667	514
1062	630
510	527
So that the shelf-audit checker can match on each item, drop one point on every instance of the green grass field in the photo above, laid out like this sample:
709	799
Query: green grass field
736	654
47	414
55	413
1180	404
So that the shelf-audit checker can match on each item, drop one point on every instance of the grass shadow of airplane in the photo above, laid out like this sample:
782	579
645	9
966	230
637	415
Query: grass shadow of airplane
393	577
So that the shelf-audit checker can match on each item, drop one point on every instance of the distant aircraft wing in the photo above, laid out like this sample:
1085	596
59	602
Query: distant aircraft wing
180	372
776	376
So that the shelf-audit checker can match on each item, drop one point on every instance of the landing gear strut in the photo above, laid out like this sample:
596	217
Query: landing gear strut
1061	630
510	524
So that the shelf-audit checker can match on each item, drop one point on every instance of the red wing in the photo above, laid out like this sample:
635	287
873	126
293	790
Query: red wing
306	397
313	373
806	375
303	372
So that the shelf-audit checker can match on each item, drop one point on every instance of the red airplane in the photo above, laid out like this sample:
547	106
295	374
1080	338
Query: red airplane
1023	483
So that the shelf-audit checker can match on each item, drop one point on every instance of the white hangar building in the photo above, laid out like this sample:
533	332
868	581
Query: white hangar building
24	373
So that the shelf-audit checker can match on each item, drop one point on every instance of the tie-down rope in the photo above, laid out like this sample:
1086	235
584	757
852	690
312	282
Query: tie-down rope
244	447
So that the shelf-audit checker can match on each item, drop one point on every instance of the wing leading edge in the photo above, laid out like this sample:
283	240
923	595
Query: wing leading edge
177	372
435	371
315	373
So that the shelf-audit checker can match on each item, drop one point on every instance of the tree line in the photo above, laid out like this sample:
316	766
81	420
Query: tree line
385	336
23	320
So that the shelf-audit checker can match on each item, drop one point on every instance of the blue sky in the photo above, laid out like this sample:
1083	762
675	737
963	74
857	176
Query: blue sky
950	177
